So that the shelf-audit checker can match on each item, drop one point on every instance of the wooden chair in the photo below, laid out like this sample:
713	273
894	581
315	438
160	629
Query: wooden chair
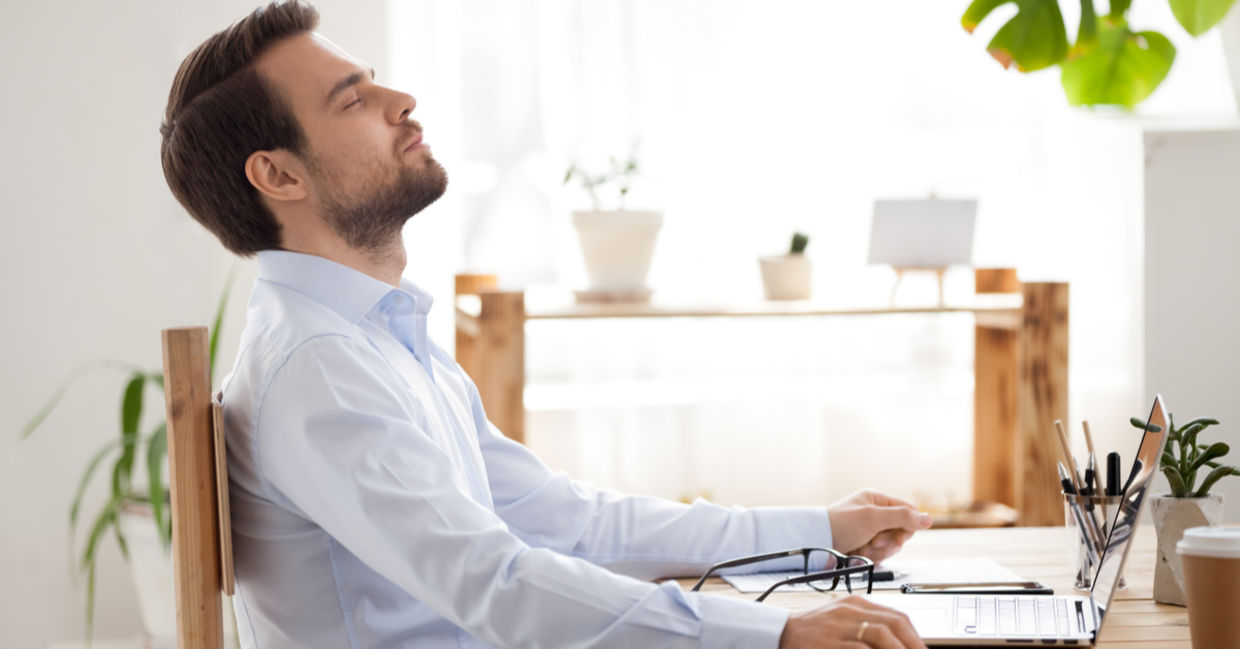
198	477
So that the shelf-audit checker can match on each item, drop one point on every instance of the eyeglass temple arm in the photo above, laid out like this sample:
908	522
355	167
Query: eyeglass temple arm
819	576
732	563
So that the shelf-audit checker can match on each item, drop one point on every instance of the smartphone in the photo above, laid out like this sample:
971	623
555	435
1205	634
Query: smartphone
981	588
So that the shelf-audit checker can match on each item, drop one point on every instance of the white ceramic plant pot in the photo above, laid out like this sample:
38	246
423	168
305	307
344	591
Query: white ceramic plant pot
151	568
1171	517
786	277
617	247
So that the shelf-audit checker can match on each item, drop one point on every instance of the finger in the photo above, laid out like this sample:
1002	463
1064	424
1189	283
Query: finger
901	516
898	623
878	636
880	498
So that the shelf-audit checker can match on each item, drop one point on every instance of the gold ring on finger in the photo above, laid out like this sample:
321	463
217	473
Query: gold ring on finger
865	624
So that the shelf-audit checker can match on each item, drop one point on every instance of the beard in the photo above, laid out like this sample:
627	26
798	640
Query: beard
371	221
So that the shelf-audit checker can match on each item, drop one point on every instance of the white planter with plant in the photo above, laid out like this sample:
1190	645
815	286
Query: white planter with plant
139	519
1187	505
787	277
617	245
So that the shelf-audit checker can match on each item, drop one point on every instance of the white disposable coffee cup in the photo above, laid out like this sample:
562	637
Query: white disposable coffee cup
1211	560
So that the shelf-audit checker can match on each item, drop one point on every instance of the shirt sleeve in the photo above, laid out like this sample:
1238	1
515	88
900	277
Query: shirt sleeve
340	440
640	536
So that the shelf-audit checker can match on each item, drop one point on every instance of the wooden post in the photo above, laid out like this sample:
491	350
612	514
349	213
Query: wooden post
1043	398
996	372
466	344
499	359
195	547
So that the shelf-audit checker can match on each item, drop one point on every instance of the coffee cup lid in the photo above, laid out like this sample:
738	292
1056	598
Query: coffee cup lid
1221	541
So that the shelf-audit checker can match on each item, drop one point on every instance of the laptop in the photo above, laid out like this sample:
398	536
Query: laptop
1049	620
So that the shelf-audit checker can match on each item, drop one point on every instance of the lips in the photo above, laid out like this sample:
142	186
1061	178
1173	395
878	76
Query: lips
414	144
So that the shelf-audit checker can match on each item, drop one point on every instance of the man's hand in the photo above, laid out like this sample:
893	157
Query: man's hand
873	524
849	623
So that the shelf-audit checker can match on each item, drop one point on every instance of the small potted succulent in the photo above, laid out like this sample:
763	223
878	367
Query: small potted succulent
787	276
1188	505
617	244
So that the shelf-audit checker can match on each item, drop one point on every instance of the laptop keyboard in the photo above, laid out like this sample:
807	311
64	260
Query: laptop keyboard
996	615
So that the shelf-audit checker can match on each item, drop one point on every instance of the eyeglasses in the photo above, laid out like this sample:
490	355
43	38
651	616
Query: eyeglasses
846	567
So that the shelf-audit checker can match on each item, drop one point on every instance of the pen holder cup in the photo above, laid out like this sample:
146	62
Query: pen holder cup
1088	519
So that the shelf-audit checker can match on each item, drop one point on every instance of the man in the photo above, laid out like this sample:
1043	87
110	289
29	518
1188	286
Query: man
373	504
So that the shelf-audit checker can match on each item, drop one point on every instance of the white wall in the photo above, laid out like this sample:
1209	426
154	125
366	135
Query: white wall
1192	297
97	257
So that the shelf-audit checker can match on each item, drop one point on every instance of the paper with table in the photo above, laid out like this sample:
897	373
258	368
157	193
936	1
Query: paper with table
953	571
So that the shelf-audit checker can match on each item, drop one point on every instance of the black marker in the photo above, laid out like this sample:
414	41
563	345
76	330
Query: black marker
1112	474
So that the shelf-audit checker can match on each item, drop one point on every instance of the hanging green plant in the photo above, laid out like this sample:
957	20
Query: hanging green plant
1110	64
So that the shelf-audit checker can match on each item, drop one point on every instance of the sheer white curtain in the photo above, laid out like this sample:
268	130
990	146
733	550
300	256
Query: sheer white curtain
757	119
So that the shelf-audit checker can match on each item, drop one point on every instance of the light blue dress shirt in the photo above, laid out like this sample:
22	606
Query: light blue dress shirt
373	504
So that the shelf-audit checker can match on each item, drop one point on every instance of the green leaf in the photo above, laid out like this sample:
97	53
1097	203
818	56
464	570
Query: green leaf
156	452
1035	38
77	497
1204	421
64	386
131	404
1215	476
977	12
1122	69
1216	450
1168	459
106	517
219	319
1198	16
1176	482
1140	423
1087	32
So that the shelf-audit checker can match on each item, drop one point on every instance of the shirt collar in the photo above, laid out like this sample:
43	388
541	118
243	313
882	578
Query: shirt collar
348	292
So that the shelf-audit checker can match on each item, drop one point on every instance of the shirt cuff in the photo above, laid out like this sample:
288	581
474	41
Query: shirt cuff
737	623
784	528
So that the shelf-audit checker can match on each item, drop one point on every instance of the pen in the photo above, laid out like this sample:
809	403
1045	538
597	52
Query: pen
1113	473
1089	475
1067	455
1088	532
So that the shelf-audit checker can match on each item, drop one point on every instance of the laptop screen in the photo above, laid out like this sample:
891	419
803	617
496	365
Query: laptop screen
1124	523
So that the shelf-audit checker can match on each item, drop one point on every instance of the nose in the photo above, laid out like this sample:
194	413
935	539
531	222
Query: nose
402	106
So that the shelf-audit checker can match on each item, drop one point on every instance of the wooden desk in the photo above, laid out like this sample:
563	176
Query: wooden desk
1135	621
1020	368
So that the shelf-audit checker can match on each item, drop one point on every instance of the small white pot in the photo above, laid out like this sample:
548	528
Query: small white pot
1171	517
786	277
154	581
617	247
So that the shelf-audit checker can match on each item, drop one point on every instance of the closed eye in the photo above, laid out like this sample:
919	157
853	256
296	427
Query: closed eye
352	103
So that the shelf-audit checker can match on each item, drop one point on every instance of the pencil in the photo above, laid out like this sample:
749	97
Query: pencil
1067	454
1089	439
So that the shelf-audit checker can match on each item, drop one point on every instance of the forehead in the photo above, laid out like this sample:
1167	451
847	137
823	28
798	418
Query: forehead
305	67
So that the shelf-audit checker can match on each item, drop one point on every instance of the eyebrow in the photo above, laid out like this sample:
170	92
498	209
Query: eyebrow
345	83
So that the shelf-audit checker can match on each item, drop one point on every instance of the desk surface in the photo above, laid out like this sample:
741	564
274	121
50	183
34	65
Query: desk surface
1043	554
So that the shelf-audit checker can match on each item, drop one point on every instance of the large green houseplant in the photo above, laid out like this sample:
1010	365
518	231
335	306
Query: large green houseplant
1185	458
1110	63
131	449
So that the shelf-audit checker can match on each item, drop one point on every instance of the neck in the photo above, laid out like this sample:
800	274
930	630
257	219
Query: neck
385	263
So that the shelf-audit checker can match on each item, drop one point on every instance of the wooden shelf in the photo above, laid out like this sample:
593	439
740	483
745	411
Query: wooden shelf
1020	366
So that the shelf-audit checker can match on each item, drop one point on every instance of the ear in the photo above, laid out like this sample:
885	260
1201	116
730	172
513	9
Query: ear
277	175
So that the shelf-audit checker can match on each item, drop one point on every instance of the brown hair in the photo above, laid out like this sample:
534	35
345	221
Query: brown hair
220	110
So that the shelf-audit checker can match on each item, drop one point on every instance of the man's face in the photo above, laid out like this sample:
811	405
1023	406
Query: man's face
369	170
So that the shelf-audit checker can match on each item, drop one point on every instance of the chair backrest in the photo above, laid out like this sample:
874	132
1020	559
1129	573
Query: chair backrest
198	487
